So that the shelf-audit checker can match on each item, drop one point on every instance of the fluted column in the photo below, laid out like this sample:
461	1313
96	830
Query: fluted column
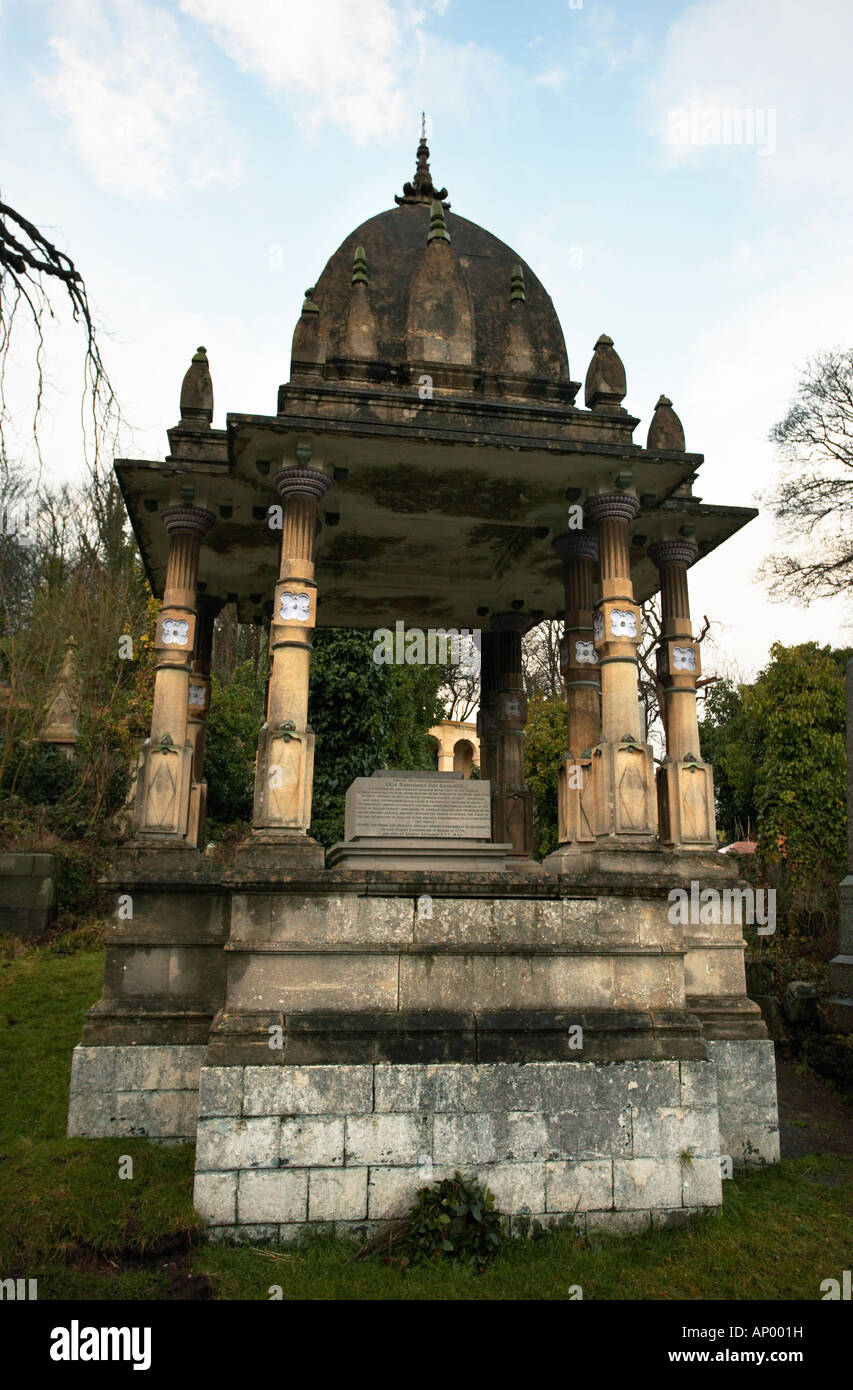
512	812
167	800
617	623
285	767
617	801
579	667
685	785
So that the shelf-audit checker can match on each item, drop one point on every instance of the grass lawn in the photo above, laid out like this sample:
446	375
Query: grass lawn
70	1221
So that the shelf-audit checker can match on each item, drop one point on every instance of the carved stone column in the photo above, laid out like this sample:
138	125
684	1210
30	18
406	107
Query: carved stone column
285	767
622	801
685	783
512	810
168	800
487	716
578	551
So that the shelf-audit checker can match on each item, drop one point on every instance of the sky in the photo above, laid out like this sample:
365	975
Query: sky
201	160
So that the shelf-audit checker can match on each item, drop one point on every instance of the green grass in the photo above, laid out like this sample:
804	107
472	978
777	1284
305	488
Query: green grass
70	1221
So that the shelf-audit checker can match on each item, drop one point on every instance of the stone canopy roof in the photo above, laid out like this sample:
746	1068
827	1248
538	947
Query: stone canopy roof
429	377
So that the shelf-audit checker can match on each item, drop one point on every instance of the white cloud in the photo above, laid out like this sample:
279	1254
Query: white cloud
135	106
364	68
763	57
339	62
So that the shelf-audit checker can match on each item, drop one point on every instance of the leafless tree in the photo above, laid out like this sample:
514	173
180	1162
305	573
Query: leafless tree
813	496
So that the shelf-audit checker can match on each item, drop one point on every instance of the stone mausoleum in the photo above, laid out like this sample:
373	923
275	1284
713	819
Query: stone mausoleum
336	1030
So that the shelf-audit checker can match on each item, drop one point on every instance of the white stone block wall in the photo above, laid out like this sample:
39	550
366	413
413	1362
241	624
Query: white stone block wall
611	1146
746	1088
135	1092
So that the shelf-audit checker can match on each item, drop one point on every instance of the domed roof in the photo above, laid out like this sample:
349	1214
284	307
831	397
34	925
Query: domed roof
420	286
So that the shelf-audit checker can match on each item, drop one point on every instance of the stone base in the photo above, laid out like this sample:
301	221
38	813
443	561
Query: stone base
746	1091
439	855
277	852
135	1092
288	1149
27	893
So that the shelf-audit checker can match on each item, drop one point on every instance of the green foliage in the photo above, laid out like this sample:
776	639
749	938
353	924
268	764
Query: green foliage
778	748
544	746
236	715
455	1221
726	741
365	717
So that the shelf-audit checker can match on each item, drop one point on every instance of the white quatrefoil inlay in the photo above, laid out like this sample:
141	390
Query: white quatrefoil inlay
683	659
585	654
196	697
623	623
598	627
294	606
176	632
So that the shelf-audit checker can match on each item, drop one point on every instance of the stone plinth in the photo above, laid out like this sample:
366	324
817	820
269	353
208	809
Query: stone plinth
282	1150
359	1034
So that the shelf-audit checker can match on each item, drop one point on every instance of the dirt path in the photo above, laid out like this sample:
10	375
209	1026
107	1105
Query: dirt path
813	1118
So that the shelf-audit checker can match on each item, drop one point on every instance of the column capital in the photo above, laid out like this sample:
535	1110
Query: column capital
302	482
612	506
187	521
574	545
673	552
512	622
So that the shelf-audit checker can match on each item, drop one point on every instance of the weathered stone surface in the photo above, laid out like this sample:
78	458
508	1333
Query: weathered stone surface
519	1188
392	1191
701	1183
229	1143
578	1186
661	1133
746	1089
220	1091
287	983
93	1068
386	1139
215	1198
646	1183
280	1195
307	1090
618	1222
464	1139
698	1084
316	1142
337	1194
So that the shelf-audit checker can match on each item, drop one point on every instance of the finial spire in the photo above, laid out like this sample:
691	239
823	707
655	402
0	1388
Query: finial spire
422	189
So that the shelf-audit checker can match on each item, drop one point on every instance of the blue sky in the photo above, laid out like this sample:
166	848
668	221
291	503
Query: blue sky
201	160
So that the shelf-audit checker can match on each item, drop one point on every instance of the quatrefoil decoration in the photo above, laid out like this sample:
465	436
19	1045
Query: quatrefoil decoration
623	623
683	659
598	627
176	632
294	607
585	654
196	697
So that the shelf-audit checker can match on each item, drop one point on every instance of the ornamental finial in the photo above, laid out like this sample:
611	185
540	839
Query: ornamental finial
422	189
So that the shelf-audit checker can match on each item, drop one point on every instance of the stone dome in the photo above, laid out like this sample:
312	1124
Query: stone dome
419	287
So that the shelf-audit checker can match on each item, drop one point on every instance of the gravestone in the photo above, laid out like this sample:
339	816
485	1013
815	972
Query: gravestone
418	820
